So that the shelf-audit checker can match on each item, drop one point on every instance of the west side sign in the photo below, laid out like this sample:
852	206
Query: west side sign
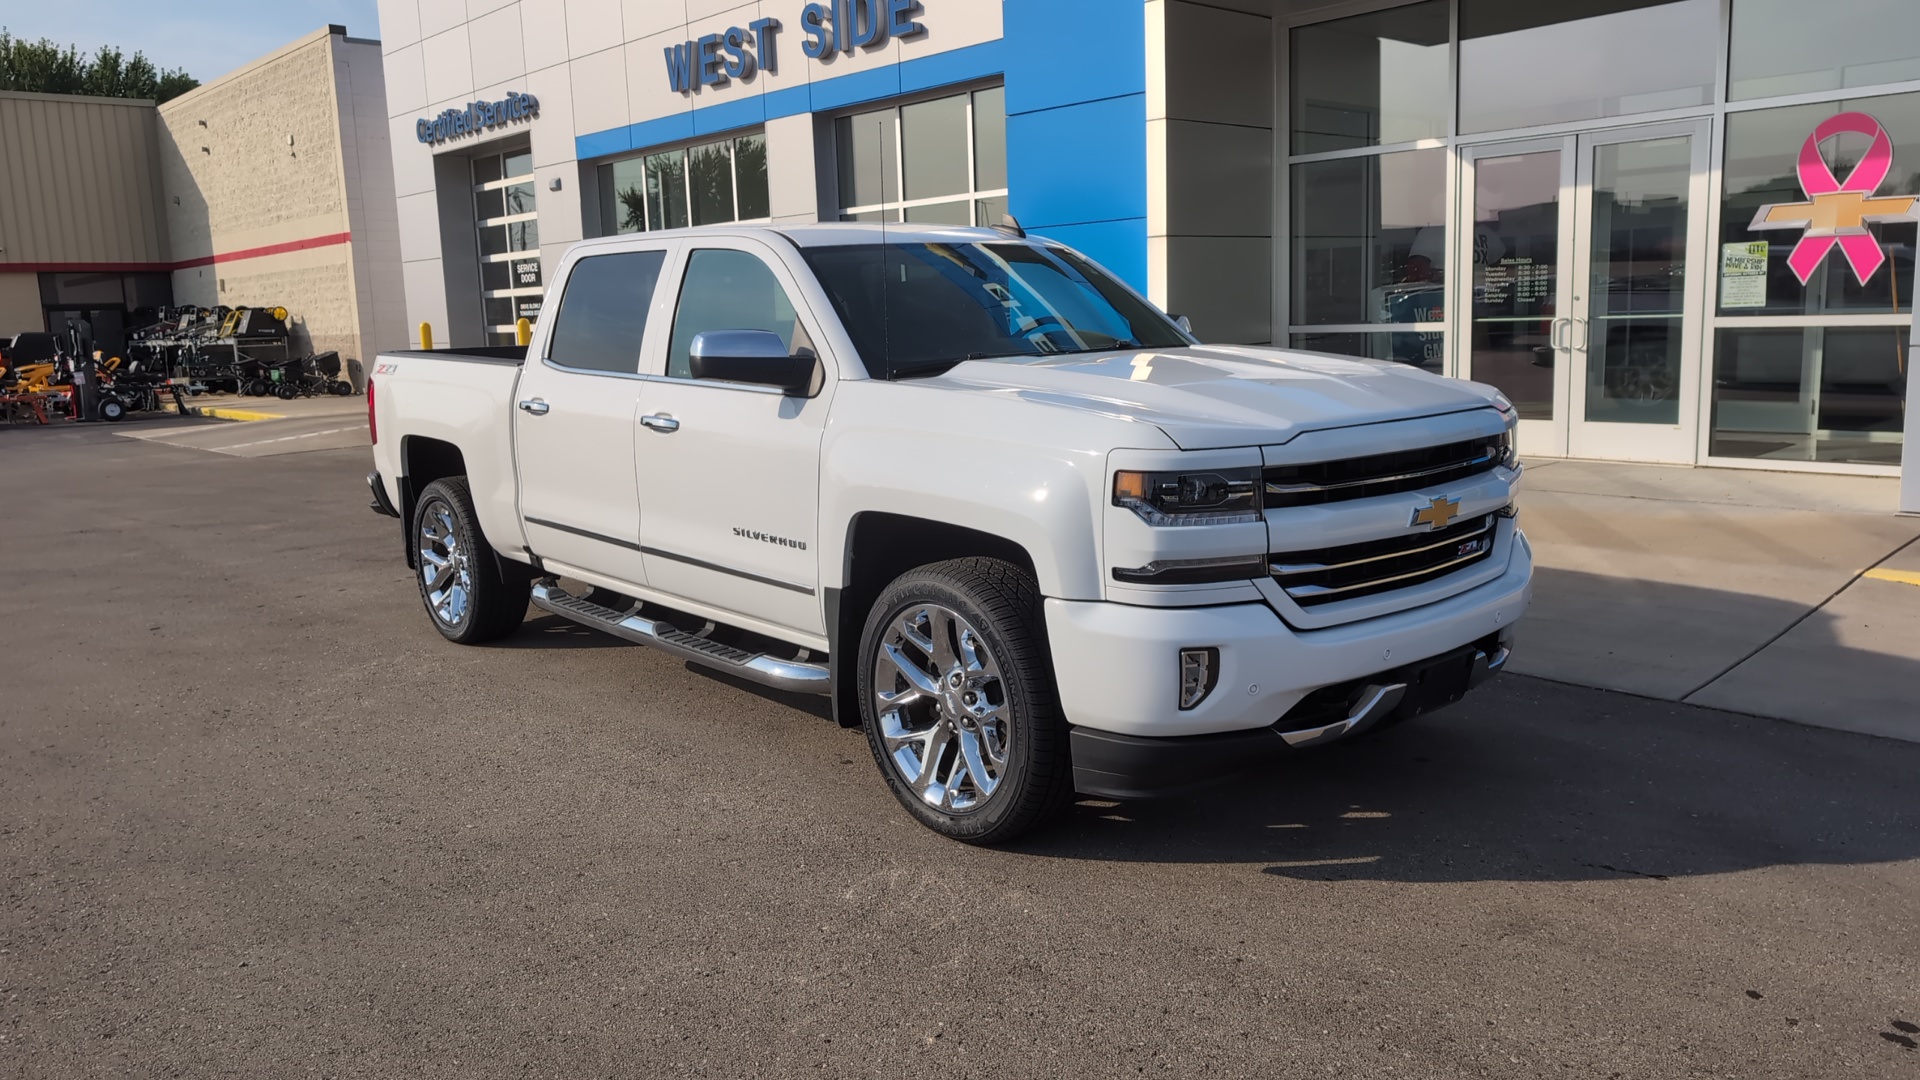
839	26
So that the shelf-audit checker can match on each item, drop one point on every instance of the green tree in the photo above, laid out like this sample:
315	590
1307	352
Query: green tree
43	67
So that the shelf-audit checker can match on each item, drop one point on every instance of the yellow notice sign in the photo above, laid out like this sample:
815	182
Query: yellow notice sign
1743	274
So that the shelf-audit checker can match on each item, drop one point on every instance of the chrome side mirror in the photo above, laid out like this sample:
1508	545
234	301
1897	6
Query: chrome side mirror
757	357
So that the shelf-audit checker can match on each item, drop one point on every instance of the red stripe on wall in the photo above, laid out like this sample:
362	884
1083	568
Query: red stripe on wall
187	264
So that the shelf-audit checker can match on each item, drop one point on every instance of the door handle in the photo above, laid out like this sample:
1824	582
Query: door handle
660	422
1553	335
534	406
1583	335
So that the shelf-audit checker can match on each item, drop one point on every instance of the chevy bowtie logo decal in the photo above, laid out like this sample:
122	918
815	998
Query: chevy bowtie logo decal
1436	513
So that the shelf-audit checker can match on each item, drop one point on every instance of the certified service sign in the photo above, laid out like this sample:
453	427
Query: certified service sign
477	116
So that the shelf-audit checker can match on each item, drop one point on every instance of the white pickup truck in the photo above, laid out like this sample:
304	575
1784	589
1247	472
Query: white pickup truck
1014	520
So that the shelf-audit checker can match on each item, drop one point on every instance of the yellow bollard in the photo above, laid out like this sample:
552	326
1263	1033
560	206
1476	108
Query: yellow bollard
523	332
426	335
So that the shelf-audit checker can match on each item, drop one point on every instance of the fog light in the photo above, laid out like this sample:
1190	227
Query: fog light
1199	671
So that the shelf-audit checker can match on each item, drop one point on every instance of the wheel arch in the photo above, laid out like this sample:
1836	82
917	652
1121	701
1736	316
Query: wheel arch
422	461
879	547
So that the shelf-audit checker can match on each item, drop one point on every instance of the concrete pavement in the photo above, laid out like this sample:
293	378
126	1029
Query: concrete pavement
1728	588
258	820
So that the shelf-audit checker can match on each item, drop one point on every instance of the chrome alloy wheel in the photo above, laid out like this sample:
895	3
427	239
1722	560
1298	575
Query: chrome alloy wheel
444	571
942	707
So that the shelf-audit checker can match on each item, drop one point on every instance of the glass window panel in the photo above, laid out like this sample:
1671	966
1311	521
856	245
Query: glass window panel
750	176
493	240
1639	253
959	212
1370	79
1421	349
623	197
498	338
604	312
864	146
1523	62
519	163
1369	240
519	199
1830	394
1515	275
1790	47
486	169
496	275
489	204
499	310
990	211
933	147
712	169
523	236
1760	171
667	190
990	139
728	290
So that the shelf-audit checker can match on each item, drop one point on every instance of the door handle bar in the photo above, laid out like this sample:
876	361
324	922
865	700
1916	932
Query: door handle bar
534	406
1553	334
660	422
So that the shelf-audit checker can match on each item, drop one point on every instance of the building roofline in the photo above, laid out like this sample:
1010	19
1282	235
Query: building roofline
330	30
89	99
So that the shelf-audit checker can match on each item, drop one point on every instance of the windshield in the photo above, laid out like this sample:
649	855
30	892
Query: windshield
917	309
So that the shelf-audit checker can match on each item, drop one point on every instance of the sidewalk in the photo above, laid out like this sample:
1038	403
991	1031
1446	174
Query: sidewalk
1775	594
236	407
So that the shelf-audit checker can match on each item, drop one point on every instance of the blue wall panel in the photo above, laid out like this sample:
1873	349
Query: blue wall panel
1120	246
1062	52
1079	163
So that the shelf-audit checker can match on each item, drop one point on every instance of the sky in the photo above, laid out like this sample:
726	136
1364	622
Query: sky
206	37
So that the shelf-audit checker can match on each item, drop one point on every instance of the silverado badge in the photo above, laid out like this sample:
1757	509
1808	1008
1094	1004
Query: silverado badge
1436	513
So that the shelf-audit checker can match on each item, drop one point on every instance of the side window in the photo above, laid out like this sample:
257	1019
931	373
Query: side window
603	312
730	290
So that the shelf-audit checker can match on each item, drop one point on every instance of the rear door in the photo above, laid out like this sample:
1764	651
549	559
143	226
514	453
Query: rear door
729	473
573	417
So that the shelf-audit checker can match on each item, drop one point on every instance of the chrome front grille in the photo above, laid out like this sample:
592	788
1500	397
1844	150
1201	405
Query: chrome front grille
1325	575
1316	482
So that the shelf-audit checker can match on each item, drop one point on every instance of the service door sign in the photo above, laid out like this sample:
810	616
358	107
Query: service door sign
1743	274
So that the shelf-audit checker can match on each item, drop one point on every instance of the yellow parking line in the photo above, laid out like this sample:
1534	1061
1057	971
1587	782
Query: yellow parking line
219	412
1904	577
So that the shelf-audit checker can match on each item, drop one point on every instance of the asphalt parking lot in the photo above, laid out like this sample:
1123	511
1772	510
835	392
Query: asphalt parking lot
258	820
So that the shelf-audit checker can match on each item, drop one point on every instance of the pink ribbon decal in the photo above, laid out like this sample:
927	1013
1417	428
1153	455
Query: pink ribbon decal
1837	210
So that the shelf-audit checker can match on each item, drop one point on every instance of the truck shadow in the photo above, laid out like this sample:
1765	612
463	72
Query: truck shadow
1537	781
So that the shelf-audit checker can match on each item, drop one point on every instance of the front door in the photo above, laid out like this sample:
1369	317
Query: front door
729	473
1580	306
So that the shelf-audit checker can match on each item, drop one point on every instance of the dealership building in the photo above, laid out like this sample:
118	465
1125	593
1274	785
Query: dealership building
1676	231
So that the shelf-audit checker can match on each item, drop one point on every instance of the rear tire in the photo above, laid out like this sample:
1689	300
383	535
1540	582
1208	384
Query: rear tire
954	681
471	595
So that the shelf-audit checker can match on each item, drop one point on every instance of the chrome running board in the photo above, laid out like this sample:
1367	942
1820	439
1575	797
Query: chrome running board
796	676
1375	702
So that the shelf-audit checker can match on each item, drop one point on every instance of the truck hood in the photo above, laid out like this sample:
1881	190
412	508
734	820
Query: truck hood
1212	396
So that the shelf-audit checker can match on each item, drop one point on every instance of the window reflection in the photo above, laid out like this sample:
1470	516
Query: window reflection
1525	63
1858	43
1369	242
1370	80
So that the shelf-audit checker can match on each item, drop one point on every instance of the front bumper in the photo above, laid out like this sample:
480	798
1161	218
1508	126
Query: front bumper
1115	766
1117	665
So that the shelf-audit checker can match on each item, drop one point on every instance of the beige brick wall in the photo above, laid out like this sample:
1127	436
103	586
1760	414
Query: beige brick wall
241	186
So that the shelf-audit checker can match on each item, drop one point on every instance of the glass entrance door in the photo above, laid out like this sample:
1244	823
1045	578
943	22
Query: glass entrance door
1582	309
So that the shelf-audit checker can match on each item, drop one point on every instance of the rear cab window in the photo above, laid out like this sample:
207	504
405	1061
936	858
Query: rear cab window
603	312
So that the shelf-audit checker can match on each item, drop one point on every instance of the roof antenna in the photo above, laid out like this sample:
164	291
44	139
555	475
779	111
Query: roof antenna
1010	225
886	312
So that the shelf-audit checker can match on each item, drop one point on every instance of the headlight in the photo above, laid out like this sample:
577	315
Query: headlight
1510	442
1217	497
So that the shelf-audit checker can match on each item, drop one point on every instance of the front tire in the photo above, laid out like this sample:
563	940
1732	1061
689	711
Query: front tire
471	595
957	699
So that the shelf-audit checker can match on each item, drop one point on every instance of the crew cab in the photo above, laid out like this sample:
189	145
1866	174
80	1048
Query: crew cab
1016	522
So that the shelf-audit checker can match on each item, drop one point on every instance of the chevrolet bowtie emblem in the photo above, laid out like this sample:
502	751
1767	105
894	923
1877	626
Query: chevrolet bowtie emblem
1436	513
